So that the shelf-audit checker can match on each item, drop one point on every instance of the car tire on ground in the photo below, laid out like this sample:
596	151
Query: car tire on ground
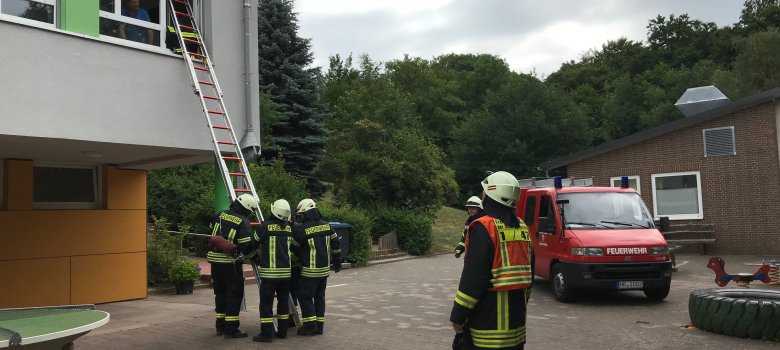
562	291
657	294
737	312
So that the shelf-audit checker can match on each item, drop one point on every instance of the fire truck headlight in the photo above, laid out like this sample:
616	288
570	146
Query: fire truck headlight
659	250
587	251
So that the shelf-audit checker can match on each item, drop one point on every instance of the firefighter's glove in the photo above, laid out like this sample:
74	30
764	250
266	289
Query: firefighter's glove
458	252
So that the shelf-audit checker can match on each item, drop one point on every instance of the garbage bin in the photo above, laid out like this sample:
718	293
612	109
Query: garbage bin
343	230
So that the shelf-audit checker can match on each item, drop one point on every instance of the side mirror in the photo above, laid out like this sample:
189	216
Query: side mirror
545	225
664	224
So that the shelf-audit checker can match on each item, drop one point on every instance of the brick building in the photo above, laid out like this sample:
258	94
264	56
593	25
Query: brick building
719	167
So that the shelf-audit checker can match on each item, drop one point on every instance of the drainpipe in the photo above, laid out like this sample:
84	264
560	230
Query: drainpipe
250	146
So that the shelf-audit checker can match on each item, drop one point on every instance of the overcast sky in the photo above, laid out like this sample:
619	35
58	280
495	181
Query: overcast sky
529	34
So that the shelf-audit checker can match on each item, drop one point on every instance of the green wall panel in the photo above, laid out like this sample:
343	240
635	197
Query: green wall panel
80	16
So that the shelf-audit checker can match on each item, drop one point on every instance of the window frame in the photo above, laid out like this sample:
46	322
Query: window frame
733	141
116	15
96	187
630	177
698	216
32	22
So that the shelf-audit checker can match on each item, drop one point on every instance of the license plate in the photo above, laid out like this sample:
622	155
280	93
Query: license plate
630	284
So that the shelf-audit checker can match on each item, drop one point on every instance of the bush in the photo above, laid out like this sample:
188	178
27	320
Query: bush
360	236
183	270
163	249
414	229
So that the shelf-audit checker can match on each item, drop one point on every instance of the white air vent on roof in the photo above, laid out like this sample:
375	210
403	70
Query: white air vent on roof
719	142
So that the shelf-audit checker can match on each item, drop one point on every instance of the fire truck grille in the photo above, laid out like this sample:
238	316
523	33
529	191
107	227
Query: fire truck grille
626	272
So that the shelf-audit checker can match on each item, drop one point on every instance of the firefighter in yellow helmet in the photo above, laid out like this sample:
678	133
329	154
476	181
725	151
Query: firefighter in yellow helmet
272	240
489	311
474	208
230	235
317	247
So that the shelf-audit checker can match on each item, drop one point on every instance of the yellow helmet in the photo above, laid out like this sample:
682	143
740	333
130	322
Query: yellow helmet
502	187
281	209
305	205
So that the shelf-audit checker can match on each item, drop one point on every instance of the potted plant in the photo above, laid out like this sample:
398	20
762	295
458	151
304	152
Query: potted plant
183	274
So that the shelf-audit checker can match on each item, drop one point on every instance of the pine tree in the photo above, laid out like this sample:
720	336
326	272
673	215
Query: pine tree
296	131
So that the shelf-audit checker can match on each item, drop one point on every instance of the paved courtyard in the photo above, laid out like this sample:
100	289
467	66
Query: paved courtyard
406	304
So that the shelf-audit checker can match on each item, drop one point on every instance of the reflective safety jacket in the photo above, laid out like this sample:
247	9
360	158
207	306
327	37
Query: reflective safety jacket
315	241
495	283
234	226
273	239
172	43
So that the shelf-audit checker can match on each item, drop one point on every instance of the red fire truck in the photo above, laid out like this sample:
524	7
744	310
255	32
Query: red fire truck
595	238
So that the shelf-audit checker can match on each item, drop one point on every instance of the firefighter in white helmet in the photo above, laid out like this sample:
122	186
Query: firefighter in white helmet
489	311
273	239
317	247
474	208
232	228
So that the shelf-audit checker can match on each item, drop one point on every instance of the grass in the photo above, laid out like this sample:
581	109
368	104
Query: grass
447	229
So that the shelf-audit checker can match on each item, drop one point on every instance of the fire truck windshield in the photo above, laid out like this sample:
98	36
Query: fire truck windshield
605	210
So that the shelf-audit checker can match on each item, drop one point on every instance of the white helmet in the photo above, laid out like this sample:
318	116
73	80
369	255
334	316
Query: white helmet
248	201
474	201
305	205
281	209
502	187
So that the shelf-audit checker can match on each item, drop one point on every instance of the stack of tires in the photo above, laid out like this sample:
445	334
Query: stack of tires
741	313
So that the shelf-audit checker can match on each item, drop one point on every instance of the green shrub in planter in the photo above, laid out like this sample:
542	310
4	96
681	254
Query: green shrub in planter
184	270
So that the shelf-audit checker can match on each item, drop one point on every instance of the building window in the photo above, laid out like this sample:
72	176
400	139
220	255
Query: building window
134	20
633	182
677	195
57	186
719	142
40	11
530	210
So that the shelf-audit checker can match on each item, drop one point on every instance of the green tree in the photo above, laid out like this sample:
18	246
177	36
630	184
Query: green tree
680	40
759	15
297	129
756	68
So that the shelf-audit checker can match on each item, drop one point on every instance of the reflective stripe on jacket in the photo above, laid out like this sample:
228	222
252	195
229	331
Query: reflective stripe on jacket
511	254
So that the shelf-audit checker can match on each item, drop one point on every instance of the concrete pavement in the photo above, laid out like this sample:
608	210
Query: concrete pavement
406	305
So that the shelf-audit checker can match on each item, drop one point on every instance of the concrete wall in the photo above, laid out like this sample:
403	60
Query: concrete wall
739	193
55	257
67	86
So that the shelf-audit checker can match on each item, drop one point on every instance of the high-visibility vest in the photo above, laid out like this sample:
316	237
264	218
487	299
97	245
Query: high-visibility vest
511	267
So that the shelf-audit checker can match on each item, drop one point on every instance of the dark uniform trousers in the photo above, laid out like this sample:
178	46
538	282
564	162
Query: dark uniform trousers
228	280
269	287
311	296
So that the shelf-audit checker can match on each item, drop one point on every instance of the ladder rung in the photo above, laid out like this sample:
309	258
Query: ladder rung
181	13
196	54
215	112
205	82
230	158
225	143
236	174
191	41
255	223
180	1
222	127
201	68
242	190
187	27
211	97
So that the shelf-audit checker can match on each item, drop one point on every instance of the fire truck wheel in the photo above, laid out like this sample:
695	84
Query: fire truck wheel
561	289
737	312
657	294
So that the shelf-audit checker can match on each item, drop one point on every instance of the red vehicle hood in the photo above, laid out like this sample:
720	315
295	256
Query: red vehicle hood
604	238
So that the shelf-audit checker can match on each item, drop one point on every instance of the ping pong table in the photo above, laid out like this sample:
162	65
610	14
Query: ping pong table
48	327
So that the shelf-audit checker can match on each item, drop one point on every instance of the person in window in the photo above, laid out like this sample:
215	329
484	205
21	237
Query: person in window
136	33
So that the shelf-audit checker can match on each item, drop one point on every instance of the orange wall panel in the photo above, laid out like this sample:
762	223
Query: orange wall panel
35	282
19	184
106	278
58	233
125	189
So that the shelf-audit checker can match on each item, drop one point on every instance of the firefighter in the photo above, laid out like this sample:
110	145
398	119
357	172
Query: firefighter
273	241
474	208
231	228
171	41
317	247
489	311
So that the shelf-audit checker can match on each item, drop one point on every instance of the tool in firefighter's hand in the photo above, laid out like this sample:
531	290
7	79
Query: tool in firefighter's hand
742	279
457	343
222	245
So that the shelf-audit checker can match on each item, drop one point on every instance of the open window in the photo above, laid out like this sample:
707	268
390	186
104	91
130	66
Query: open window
677	195
57	186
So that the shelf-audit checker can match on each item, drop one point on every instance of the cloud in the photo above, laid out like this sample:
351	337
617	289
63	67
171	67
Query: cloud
527	34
